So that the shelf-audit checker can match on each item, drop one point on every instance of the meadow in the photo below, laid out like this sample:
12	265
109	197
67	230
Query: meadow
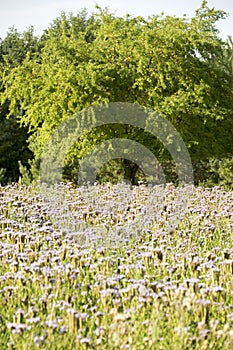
119	275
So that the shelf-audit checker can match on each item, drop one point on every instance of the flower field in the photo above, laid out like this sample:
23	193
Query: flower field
121	274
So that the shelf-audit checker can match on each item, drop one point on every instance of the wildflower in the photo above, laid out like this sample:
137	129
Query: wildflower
16	328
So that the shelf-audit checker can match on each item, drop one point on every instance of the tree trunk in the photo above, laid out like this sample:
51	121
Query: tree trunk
130	170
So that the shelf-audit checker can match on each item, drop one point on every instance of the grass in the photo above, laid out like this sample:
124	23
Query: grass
132	281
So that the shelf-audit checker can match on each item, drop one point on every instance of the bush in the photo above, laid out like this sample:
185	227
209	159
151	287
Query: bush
214	172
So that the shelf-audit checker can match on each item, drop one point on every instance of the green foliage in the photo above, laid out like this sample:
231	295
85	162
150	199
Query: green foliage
2	175
15	47
216	171
13	138
13	147
25	177
29	174
176	66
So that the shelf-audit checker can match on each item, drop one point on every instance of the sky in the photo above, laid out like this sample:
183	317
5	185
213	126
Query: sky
41	13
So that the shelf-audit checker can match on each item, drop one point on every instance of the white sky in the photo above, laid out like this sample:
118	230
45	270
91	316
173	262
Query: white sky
41	13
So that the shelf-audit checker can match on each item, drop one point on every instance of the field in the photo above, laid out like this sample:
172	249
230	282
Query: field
121	274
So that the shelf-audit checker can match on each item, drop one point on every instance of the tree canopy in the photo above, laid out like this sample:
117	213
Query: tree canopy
177	66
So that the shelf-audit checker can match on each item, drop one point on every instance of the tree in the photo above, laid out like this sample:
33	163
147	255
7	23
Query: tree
13	138
172	65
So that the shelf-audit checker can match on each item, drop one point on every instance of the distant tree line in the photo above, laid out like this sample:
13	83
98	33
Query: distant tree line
178	67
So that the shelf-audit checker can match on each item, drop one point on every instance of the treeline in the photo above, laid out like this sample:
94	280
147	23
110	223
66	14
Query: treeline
178	67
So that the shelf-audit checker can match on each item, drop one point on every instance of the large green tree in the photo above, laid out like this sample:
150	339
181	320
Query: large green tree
172	65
